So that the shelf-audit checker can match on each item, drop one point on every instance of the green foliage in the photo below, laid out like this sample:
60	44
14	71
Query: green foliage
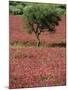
20	5
44	15
61	9
16	8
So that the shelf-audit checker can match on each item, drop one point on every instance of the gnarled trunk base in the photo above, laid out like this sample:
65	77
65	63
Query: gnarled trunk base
38	43
38	40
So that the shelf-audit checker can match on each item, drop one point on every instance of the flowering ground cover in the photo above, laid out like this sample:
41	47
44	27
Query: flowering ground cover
19	36
32	66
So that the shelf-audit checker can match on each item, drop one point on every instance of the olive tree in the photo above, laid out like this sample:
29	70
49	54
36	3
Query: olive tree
41	17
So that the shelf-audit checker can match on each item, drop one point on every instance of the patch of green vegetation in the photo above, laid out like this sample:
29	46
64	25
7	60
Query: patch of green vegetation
43	77
16	7
28	44
56	82
14	80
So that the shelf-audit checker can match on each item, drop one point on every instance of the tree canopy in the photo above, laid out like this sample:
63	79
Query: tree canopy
45	16
41	17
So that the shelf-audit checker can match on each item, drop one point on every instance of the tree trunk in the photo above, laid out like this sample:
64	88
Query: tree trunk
38	40
37	33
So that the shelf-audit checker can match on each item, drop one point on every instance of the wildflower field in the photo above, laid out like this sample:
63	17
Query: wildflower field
32	66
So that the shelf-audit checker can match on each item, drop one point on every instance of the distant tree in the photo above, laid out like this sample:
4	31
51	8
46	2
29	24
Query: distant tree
62	6
41	17
62	9
16	8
